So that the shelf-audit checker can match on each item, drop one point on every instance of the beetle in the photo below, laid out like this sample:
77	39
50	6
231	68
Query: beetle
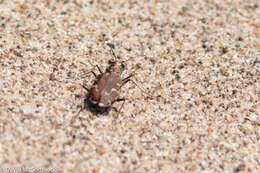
106	88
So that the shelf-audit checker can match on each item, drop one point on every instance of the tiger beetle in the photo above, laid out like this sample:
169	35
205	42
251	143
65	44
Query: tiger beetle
106	88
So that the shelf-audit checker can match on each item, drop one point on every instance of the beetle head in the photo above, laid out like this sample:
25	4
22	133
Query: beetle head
116	66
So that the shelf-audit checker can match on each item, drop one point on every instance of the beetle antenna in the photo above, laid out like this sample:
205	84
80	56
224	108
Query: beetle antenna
116	57
112	46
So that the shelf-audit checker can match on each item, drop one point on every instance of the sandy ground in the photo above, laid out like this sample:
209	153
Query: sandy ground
199	59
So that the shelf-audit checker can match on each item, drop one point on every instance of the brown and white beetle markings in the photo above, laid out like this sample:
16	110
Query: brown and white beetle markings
105	91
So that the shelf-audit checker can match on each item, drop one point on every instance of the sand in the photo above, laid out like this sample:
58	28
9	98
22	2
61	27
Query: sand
200	61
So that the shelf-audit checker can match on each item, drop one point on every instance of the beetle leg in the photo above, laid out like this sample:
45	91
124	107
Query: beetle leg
121	100
90	72
100	71
128	78
84	105
74	118
81	109
118	111
88	90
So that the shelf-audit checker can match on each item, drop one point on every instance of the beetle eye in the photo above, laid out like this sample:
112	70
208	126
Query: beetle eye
123	64
111	62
